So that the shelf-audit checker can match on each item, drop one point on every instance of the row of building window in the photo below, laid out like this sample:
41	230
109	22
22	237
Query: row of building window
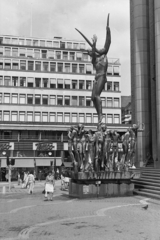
59	100
53	83
43	53
32	134
57	117
23	65
42	43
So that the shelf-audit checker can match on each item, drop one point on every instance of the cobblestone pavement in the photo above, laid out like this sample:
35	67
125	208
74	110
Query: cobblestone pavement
24	216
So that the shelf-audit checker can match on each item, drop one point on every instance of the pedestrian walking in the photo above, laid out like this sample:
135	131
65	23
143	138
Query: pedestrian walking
26	179
7	177
40	175
49	186
31	181
19	178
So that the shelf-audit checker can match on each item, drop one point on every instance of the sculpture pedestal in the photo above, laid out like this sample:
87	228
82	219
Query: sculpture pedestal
102	184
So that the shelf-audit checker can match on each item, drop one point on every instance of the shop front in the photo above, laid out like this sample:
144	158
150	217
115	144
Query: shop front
39	157
43	165
21	165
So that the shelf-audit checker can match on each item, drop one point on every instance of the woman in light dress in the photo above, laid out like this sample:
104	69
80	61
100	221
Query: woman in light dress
30	182
49	186
25	180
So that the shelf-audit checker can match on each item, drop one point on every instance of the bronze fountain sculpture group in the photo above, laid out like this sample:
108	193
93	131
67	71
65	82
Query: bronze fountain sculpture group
99	151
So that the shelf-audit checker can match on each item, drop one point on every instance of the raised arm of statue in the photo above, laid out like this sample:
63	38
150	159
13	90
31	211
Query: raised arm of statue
107	41
100	63
94	39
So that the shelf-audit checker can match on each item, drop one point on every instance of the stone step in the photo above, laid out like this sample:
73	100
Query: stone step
136	182
150	191
149	183
146	186
149	169
150	174
150	177
147	194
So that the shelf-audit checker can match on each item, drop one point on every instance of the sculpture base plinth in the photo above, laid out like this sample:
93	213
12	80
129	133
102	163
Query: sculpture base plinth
102	184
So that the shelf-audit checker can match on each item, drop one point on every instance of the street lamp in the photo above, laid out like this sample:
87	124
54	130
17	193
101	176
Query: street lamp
3	153
10	162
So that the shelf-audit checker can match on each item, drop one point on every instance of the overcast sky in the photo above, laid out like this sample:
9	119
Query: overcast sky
60	18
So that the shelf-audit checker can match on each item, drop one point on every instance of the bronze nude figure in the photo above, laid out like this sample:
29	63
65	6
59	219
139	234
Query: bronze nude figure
115	137
107	148
125	145
72	133
90	149
133	141
100	63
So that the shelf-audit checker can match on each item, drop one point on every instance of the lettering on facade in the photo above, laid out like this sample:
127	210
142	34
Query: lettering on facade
44	146
5	146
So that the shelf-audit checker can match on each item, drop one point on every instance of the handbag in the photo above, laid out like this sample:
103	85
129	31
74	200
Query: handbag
43	192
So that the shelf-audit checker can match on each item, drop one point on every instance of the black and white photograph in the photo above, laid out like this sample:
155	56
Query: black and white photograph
80	119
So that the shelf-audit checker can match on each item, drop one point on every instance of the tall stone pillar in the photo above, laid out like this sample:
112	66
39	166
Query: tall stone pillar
153	81
140	74
157	70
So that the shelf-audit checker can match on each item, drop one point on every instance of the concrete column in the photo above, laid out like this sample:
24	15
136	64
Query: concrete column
153	81
140	73
157	73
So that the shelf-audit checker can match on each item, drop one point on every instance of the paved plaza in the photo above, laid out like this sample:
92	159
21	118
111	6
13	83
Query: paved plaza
24	216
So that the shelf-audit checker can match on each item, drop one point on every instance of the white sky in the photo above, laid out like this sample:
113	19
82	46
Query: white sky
60	18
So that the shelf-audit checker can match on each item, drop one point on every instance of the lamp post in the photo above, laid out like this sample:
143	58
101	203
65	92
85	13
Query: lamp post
4	153
10	162
51	162
9	175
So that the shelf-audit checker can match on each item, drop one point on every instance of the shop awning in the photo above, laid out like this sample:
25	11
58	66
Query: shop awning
20	163
24	163
43	162
3	163
47	162
58	162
